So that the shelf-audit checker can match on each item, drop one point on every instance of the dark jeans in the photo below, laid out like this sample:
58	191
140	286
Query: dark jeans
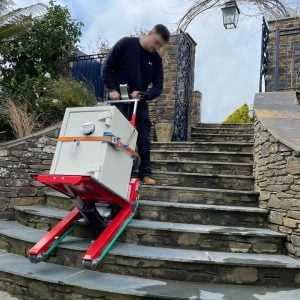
143	126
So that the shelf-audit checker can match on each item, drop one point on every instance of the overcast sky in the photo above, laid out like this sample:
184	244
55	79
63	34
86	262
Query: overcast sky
227	61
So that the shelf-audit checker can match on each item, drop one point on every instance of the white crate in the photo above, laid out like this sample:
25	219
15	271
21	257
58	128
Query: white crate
110	166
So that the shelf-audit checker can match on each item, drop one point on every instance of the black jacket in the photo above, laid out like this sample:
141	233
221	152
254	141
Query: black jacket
128	63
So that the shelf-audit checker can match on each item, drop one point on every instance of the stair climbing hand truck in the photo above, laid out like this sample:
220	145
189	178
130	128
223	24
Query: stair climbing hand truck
92	165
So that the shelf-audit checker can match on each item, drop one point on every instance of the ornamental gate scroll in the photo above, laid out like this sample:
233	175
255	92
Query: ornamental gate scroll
183	87
264	54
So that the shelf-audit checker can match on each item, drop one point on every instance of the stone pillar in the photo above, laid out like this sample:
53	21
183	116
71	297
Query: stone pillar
162	110
283	72
195	111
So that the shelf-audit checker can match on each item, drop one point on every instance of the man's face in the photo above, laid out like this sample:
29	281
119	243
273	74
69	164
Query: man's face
154	41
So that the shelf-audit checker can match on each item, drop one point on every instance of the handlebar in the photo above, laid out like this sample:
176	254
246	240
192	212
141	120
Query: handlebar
126	101
121	101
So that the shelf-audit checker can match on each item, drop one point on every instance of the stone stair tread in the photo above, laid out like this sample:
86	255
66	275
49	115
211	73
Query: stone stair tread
220	128
21	232
223	134
205	206
200	162
51	192
223	124
205	143
172	187
201	152
47	211
203	174
136	286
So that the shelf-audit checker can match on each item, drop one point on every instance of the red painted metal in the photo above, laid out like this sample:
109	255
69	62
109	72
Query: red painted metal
133	120
43	245
87	189
107	235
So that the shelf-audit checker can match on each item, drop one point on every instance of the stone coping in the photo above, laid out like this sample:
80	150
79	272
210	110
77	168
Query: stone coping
33	135
282	19
279	112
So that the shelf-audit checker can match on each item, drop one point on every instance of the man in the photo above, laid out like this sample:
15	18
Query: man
136	62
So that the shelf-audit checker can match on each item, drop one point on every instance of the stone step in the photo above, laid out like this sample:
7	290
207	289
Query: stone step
202	214
185	195
241	157
164	263
224	125
200	195
166	234
204	146
233	182
203	167
164	211
222	137
20	277
218	130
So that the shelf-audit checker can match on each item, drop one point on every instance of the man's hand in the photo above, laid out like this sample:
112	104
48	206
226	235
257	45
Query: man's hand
134	94
114	95
144	96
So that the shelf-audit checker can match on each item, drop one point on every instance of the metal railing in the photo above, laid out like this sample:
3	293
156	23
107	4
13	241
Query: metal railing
87	69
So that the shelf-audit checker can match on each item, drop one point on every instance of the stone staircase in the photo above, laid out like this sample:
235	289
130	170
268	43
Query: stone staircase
198	234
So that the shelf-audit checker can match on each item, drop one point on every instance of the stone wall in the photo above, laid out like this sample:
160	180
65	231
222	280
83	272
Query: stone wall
288	41
277	178
18	160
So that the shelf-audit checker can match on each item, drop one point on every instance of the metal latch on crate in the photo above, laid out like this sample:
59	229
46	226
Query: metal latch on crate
105	115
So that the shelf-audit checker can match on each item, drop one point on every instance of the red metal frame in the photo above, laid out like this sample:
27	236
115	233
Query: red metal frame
133	120
87	189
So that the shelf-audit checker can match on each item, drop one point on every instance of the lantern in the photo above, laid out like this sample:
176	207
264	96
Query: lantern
230	15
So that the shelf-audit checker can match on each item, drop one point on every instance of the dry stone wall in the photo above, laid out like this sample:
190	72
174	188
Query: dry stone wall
277	178
18	161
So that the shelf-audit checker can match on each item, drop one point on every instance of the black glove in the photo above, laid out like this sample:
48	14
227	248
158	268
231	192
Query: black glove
144	96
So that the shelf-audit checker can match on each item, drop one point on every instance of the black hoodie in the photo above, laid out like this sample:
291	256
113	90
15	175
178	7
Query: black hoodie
129	63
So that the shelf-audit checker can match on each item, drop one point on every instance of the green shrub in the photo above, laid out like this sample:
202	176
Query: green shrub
46	46
45	102
240	115
59	94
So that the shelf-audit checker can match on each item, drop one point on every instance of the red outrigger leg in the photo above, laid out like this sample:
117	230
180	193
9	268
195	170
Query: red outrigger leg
87	189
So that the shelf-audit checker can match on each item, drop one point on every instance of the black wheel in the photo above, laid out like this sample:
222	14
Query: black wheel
33	258
89	264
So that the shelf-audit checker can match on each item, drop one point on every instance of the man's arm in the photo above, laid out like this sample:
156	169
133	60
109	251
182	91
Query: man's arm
109	65
157	82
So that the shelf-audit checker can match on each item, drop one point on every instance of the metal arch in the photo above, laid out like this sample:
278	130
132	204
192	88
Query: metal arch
182	88
197	8
270	8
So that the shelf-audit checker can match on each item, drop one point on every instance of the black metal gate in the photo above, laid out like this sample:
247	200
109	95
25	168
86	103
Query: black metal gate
87	69
183	89
264	54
